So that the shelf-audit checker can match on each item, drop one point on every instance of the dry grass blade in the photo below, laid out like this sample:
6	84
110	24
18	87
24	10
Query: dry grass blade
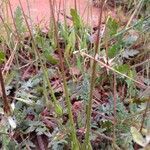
112	69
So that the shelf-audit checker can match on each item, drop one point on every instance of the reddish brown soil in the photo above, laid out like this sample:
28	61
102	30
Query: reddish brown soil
40	10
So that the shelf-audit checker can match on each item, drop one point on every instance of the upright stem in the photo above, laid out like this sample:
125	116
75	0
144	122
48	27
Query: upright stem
75	143
89	106
75	4
115	111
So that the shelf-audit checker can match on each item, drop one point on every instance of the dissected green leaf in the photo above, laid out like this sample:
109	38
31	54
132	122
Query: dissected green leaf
129	53
19	20
131	39
59	145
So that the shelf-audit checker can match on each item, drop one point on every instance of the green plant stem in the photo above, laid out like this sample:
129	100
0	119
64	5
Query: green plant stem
75	143
56	104
115	112
87	144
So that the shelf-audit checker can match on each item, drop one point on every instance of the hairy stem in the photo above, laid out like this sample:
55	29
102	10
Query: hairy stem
75	143
89	106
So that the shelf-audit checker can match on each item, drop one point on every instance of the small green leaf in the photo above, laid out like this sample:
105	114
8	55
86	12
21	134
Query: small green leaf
116	47
129	53
76	18
58	109
124	69
112	26
50	58
113	51
2	57
71	44
19	20
137	137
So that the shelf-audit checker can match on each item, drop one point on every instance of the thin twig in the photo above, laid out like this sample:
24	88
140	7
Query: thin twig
112	69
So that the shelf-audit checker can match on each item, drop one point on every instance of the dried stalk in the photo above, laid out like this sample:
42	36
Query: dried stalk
87	144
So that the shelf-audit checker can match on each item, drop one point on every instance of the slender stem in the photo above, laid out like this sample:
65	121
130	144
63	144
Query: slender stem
114	70
75	5
115	112
115	98
75	144
29	13
6	107
89	106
